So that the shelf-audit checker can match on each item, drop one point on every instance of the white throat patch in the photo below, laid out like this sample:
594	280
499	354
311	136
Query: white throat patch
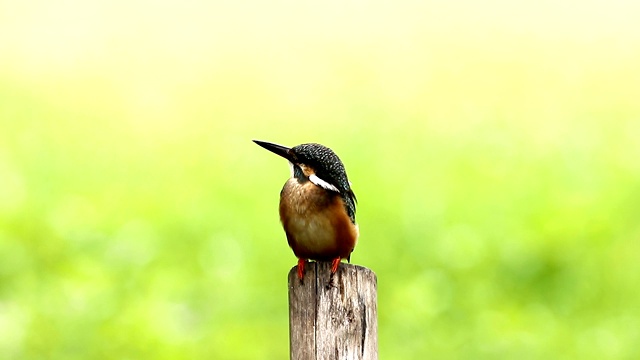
323	184
291	168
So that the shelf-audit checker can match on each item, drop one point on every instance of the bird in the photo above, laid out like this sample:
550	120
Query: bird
317	205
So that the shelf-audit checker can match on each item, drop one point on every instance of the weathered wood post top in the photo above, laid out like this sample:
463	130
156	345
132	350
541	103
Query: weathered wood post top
333	316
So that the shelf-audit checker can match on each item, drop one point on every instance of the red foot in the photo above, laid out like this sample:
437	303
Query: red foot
334	265
301	268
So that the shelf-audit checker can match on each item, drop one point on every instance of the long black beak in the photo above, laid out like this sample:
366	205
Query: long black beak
275	148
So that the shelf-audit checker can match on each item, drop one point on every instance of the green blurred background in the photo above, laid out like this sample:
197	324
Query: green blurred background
494	148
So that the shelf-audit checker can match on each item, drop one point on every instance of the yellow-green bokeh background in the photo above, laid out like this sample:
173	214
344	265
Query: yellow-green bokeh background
494	147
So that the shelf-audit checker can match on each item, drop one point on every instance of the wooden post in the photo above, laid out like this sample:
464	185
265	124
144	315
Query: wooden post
333	317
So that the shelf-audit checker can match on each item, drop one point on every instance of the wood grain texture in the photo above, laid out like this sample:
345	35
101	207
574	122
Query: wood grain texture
333	316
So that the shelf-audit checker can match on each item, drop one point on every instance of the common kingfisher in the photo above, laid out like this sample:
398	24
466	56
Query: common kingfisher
317	205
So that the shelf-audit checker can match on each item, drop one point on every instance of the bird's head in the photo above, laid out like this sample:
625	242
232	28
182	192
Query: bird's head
314	162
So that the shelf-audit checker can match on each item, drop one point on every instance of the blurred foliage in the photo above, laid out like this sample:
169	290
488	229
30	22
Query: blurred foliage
493	147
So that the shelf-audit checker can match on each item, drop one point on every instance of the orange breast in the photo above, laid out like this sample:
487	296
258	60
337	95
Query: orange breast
316	222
